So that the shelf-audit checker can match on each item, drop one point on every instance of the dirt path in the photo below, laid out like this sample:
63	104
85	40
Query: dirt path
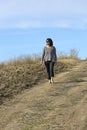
62	106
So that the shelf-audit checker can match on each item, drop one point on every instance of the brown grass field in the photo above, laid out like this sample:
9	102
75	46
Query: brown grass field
28	102
23	73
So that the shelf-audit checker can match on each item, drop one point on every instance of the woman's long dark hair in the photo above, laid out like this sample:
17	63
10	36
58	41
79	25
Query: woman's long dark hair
49	41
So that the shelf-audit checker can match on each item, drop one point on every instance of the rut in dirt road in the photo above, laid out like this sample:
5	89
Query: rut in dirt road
61	106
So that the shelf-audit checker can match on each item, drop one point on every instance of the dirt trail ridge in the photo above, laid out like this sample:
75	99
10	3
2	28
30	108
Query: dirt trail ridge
61	106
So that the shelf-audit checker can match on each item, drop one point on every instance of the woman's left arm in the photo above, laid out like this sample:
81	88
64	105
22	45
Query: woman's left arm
55	54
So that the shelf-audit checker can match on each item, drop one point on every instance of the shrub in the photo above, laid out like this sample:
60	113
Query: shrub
73	54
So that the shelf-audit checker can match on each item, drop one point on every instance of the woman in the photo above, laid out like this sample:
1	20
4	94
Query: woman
49	57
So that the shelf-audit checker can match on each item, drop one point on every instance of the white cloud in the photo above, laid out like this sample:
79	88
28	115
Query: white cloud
43	13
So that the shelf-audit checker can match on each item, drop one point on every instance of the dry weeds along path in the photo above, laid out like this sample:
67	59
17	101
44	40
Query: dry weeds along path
62	106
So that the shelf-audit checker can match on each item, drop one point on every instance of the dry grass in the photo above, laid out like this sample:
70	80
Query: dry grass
73	54
25	72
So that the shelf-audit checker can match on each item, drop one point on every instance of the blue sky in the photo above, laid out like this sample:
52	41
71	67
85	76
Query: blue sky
25	24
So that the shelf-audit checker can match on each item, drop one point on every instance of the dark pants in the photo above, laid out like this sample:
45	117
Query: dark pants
50	69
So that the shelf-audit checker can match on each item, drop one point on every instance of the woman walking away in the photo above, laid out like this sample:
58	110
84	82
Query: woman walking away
49	57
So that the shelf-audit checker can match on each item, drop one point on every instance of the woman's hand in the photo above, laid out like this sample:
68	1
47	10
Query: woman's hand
42	62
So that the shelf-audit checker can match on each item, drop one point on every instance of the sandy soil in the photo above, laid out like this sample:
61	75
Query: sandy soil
61	106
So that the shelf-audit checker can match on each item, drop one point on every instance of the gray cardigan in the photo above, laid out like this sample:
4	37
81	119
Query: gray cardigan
49	54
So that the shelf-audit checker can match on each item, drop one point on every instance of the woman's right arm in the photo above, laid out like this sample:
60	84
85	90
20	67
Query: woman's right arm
43	54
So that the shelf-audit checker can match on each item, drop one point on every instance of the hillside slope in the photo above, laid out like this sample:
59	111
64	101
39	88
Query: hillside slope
61	106
21	74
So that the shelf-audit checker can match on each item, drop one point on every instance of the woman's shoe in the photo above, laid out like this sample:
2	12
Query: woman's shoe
49	81
52	80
